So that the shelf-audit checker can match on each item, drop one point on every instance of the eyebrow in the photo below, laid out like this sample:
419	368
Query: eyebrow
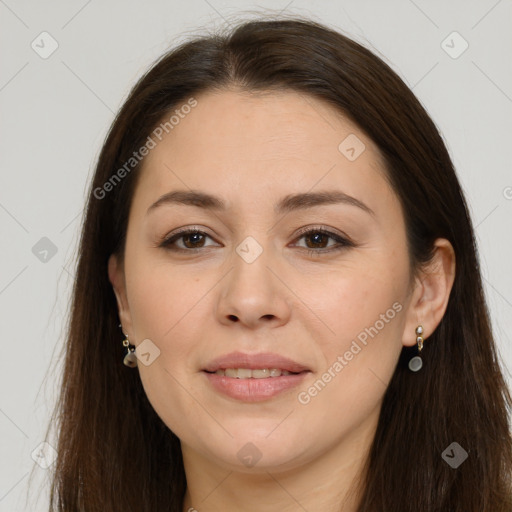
289	203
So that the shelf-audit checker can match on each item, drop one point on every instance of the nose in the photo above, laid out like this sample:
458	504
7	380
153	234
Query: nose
254	293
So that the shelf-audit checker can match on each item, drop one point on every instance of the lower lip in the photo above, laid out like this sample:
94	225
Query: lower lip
254	390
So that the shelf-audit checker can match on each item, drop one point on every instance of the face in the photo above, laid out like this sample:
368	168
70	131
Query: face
271	333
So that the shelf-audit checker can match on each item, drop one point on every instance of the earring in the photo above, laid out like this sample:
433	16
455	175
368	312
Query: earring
416	362
130	359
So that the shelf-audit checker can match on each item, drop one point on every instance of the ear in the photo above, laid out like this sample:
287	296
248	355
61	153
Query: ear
431	293
117	279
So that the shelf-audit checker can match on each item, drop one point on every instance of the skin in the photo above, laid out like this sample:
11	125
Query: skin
251	150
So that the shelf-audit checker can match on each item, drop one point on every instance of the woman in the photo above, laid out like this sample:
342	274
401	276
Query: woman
276	237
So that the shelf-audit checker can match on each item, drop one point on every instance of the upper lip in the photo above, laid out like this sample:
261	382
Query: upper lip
254	361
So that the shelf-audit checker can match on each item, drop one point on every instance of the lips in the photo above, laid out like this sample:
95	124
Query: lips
254	377
248	373
266	360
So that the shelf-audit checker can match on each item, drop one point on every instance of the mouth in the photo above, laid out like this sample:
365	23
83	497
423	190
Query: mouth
249	373
254	378
237	364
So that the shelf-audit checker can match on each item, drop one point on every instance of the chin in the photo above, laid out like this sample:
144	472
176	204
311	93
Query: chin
255	451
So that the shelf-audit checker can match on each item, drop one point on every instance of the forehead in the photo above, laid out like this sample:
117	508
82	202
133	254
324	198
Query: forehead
244	146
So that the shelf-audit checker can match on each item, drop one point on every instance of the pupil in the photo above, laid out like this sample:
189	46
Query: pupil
317	238
192	235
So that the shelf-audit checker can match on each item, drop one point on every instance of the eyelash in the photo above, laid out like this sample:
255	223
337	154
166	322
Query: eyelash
343	243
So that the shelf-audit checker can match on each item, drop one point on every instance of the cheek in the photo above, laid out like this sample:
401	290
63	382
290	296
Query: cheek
365	314
162	310
167	306
356	298
159	295
149	307
358	365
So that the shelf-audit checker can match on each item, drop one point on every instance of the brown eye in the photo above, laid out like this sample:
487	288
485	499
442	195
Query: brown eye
318	238
192	239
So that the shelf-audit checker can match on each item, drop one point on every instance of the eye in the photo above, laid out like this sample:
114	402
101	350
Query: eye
319	237
193	240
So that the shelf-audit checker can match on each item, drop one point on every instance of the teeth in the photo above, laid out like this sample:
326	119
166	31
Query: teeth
260	374
248	373
244	373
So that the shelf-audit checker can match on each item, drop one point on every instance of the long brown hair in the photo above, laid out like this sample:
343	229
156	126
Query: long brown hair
116	454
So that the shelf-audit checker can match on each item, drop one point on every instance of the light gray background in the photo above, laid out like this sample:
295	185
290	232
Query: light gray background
56	112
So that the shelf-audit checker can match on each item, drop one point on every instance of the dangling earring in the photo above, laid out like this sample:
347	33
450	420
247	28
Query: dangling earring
130	359
416	362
